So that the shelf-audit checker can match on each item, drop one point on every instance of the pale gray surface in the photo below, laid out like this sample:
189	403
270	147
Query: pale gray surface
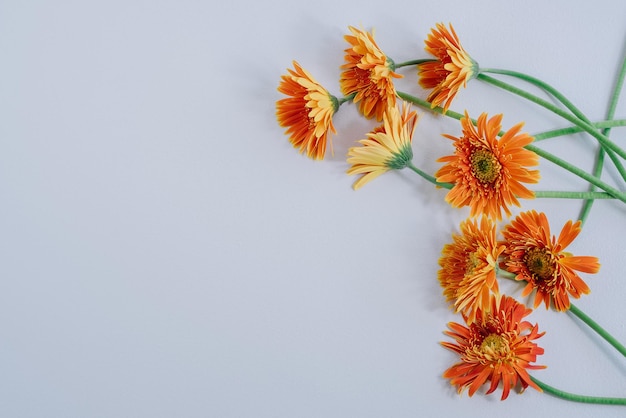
166	253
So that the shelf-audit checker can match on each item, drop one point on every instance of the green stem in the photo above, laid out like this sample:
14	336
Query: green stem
580	173
344	99
429	177
597	171
542	85
538	137
505	274
618	164
412	62
575	397
607	124
581	398
544	154
560	97
576	129
590	195
582	316
616	92
427	105
598	329
538	194
604	141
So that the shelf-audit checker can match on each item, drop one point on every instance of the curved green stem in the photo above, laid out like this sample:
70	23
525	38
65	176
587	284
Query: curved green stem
569	105
575	397
604	141
598	329
542	85
582	398
428	177
544	154
583	317
605	124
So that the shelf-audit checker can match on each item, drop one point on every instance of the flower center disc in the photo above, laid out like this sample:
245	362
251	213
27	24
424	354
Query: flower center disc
493	343
485	166
539	263
471	263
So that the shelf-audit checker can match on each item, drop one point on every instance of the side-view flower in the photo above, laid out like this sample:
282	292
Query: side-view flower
368	74
468	267
388	147
452	69
307	112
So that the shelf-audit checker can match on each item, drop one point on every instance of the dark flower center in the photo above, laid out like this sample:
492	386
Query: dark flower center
539	263
485	166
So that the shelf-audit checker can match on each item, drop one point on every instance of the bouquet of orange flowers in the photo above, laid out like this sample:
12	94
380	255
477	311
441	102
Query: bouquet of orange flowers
489	171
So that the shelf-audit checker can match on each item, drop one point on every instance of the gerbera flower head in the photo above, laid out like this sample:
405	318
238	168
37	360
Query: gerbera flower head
539	258
387	147
498	347
487	171
368	74
307	112
452	69
468	267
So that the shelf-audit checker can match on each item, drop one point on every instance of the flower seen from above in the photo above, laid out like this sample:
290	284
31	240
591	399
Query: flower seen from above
468	267
487	172
452	69
368	74
497	347
538	258
388	147
307	112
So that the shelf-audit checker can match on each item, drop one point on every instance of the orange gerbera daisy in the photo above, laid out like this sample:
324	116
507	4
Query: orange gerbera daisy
388	147
488	171
538	258
468	267
368	74
307	113
452	69
497	347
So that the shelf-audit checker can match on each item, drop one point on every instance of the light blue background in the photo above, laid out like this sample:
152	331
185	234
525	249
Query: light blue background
164	251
